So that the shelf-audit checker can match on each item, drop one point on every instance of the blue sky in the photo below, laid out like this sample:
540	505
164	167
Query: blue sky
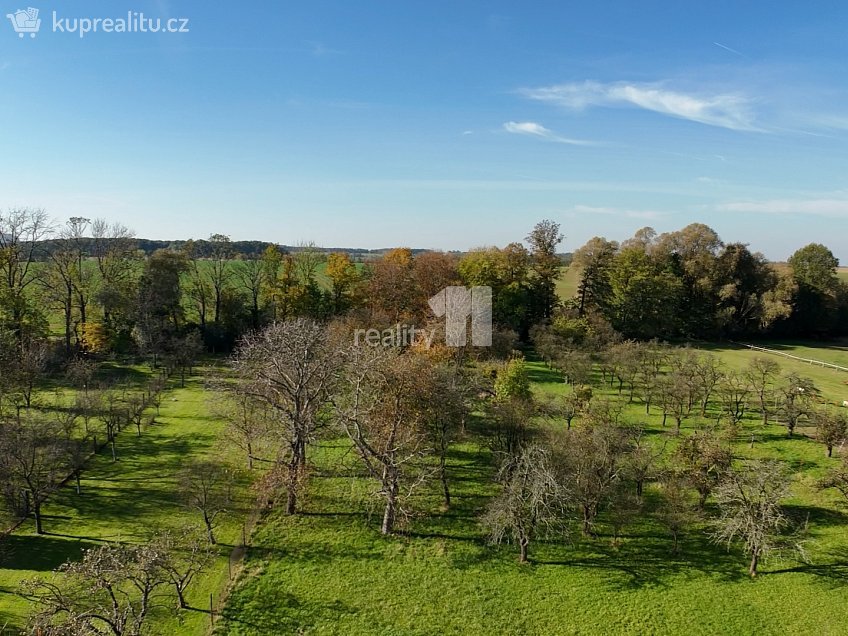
435	124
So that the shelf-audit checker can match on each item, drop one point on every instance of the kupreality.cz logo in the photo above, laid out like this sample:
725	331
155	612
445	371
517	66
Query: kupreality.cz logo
28	22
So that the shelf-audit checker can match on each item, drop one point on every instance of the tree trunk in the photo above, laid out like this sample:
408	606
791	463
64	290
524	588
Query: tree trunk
298	461
181	601
523	544
755	559
830	450
291	500
391	509
36	509
68	332
587	520
210	534
443	473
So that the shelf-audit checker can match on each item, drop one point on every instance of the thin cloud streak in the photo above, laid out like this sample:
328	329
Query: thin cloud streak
589	210
533	129
727	48
830	208
724	110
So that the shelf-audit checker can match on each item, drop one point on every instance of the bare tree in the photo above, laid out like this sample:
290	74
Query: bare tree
379	409
831	427
247	421
185	556
307	260
220	269
445	407
21	233
641	462
749	502
291	367
32	460
592	461
252	276
837	478
532	501
31	362
199	288
798	395
207	486
653	357
678	396
733	392
708	373
509	427
702	460
110	591
674	511
760	374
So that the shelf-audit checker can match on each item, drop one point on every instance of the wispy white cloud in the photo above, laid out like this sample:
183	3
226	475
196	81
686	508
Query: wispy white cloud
722	110
318	49
827	207
538	130
708	180
527	128
589	210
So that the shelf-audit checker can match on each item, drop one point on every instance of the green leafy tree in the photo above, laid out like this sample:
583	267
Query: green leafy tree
545	265
512	381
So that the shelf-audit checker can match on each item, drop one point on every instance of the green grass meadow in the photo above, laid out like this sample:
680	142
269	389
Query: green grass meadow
127	501
329	571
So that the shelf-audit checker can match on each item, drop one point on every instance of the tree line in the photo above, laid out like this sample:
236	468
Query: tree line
689	284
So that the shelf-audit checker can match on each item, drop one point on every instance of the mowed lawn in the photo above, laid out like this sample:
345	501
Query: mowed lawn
126	502
328	571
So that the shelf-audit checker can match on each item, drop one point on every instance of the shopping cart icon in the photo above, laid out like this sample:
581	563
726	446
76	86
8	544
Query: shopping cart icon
25	21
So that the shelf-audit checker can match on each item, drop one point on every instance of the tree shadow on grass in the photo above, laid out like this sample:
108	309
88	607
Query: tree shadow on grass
647	562
544	375
817	516
274	612
834	572
42	553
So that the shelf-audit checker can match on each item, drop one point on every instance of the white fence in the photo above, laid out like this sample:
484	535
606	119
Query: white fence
788	355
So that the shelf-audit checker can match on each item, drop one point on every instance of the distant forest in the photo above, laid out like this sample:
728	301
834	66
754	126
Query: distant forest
207	249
